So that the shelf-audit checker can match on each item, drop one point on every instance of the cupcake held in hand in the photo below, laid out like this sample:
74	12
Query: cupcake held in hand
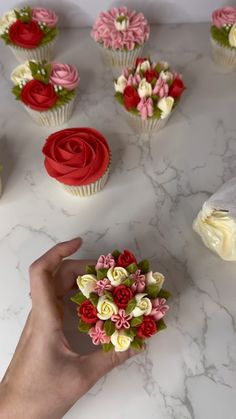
223	37
78	158
120	33
47	90
30	32
148	92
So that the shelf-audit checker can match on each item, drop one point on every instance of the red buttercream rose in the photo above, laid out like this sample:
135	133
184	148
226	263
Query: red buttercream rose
150	75
38	95
122	295
140	60
126	258
87	312
131	97
25	35
76	156
177	88
147	328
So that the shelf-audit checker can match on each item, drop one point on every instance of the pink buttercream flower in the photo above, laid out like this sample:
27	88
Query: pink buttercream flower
159	308
64	75
135	32
139	281
125	72
224	16
106	262
102	285
47	16
145	107
176	75
133	80
161	88
121	319
98	335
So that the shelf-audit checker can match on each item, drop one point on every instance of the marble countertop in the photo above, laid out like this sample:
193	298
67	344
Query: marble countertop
155	190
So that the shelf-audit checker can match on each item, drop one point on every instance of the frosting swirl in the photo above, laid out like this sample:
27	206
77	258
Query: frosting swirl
76	156
46	16
224	16
64	75
121	28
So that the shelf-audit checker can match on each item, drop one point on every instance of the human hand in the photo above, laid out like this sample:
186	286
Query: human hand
45	377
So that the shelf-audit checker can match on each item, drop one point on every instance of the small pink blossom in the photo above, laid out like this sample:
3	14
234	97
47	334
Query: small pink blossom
161	88
105	262
139	281
102	285
121	319
145	107
159	308
133	80
98	335
125	72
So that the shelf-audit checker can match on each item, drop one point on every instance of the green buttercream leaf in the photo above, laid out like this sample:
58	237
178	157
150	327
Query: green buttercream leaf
221	36
164	294
131	332
6	38
49	34
109	327
108	295
131	305
90	270
136	321
84	327
24	14
78	298
144	266
152	290
137	344
156	113
16	90
116	253
101	273
107	347
128	282
161	325
119	98
93	297
64	97
132	268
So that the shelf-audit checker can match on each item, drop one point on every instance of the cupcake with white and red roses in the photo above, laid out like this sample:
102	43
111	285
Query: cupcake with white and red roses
148	92
120	33
47	90
79	159
121	302
223	37
30	32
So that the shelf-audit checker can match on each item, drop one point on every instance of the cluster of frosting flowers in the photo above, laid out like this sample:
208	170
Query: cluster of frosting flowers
29	27
223	28
42	86
121	302
149	90
120	28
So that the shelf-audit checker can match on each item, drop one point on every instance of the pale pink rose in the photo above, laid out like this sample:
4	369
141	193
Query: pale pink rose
133	80
102	285
139	281
105	262
161	88
145	107
47	16
224	16
121	319
159	308
64	75
98	335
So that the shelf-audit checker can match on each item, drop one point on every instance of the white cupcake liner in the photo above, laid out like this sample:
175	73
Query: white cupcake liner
90	189
53	117
223	56
146	126
118	58
38	54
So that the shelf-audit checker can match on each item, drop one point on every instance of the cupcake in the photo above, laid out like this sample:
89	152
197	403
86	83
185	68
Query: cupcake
78	158
120	33
47	90
148	92
223	37
30	32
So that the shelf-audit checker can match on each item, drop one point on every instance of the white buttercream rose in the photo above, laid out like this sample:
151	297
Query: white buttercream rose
232	35
144	89
106	308
165	105
164	65
120	341
144	66
86	284
21	73
120	84
155	278
116	275
144	305
6	21
121	22
166	75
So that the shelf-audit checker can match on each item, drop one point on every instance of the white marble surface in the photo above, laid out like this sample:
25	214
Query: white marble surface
155	190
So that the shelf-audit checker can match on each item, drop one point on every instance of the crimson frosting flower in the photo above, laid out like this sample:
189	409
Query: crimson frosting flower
126	258
122	295
150	74
140	60
147	328
177	88
26	35
38	95
88	312
131	97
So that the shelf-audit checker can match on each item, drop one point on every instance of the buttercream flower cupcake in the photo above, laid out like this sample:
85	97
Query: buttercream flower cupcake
30	32
78	158
148	92
47	90
223	37
120	33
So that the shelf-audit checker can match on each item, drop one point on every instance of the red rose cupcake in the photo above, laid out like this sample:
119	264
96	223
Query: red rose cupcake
79	158
30	32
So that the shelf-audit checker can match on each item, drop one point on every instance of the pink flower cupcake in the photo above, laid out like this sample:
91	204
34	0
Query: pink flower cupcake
223	37
120	33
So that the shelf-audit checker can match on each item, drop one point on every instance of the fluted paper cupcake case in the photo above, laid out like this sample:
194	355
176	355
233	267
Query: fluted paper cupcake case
118	58
146	126
53	117
45	52
223	56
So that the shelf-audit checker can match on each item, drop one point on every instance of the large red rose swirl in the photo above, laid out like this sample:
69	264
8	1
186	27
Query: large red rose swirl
76	156
38	95
147	328
25	35
87	312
